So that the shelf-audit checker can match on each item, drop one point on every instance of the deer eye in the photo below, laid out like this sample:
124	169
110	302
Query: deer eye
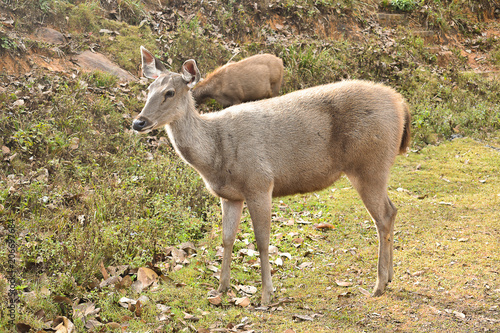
168	94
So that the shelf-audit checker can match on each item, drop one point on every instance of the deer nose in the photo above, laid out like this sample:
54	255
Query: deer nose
139	124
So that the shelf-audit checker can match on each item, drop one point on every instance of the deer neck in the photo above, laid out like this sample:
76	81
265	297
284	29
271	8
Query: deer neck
190	136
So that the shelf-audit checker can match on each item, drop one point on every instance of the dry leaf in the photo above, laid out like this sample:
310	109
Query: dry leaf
305	264
137	309
124	283
216	300
273	250
364	292
188	247
109	281
243	301
163	308
23	328
213	268
117	270
113	325
125	302
61	299
40	314
45	291
323	226
19	102
63	325
92	324
190	317
459	314
178	255
286	254
247	289
104	272
143	299
300	317
435	310
146	276
343	283
6	151
162	317
278	262
75	143
345	295
84	310
248	252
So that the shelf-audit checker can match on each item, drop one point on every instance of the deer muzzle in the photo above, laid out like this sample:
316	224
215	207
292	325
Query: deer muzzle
142	124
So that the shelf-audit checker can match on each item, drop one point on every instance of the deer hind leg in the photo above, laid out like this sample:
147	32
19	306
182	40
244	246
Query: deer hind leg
373	192
275	89
231	214
260	212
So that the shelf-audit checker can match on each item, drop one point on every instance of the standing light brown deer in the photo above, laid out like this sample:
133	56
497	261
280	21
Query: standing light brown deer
253	78
296	143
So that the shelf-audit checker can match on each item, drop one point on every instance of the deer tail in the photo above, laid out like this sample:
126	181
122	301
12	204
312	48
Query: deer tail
405	139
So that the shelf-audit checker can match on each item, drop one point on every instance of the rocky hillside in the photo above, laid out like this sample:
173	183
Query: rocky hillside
58	36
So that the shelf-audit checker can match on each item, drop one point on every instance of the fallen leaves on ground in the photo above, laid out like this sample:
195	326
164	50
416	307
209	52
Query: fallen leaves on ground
343	283
63	325
323	226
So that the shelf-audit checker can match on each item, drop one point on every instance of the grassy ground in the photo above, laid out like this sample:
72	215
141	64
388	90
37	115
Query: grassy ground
81	194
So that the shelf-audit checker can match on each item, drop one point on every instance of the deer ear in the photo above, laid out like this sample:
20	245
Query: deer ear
190	73
151	66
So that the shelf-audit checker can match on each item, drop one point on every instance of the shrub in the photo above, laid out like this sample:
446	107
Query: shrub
404	5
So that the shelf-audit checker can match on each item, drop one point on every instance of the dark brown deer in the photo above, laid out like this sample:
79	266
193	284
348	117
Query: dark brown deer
296	143
253	78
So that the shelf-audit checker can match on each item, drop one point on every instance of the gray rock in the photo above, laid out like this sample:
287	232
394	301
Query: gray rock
90	61
51	36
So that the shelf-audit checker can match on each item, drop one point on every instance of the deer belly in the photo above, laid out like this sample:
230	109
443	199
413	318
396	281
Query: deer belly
226	191
303	183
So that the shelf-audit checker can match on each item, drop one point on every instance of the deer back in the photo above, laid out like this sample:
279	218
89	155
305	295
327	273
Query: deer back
250	79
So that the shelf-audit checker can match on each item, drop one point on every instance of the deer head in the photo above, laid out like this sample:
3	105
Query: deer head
168	95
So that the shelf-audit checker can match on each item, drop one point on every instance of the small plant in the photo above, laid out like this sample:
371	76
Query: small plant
495	55
7	44
404	5
101	79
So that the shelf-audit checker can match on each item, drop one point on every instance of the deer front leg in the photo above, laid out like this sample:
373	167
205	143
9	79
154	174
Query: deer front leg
260	212
231	214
